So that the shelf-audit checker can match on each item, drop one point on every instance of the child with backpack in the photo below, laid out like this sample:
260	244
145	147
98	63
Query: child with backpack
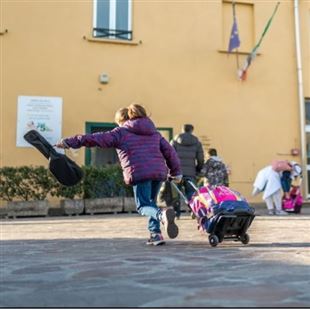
214	170
146	159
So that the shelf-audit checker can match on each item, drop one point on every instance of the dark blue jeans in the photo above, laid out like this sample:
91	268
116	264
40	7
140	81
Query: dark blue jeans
145	194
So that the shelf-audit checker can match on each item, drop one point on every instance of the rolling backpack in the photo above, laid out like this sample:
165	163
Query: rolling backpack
210	201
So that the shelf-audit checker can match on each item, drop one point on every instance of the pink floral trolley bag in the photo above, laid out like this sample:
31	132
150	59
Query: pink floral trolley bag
294	201
291	184
221	212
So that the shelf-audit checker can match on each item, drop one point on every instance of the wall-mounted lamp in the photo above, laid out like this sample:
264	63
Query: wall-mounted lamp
104	78
295	152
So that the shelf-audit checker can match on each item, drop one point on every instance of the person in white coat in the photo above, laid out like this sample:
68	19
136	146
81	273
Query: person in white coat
269	182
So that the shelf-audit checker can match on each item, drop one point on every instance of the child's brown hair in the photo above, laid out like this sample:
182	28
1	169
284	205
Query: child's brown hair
136	111
121	116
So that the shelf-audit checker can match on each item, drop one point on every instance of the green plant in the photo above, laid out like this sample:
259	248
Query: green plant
35	183
106	181
69	192
7	183
24	183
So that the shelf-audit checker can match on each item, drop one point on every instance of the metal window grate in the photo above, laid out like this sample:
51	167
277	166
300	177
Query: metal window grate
107	33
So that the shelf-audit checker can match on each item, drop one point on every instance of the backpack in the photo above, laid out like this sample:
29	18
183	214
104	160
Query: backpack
216	172
65	170
209	201
281	165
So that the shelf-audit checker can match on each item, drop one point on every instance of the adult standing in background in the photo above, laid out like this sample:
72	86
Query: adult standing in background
191	154
268	181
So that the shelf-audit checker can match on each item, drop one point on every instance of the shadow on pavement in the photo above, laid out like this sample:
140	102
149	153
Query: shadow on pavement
281	245
124	272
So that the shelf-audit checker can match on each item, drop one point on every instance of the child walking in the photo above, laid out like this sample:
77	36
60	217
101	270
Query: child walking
146	159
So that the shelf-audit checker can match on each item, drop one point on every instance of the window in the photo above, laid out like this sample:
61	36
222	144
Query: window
245	22
112	19
97	156
166	132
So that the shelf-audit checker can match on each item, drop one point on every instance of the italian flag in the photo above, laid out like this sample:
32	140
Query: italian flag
242	73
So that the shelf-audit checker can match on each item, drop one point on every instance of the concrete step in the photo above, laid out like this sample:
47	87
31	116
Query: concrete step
261	208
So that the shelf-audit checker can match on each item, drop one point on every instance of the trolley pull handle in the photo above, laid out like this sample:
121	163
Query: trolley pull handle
179	191
192	185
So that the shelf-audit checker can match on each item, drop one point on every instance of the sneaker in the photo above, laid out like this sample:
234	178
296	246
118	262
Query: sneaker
281	212
270	212
156	239
167	219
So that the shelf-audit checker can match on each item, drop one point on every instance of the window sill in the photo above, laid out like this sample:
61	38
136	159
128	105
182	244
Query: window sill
222	51
251	2
3	32
111	41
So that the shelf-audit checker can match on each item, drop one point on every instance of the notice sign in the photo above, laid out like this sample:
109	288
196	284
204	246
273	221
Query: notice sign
43	114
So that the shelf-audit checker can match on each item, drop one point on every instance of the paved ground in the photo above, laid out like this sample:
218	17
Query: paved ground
102	261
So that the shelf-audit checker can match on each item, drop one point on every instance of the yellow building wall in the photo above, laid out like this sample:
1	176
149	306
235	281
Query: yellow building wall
177	70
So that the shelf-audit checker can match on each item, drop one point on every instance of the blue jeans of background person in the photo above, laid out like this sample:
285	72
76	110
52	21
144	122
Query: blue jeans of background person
145	194
188	190
286	181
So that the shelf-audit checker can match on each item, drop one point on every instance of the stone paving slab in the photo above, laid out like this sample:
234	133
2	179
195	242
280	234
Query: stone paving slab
103	261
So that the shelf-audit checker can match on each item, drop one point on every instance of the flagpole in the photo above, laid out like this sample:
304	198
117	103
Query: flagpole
234	16
237	59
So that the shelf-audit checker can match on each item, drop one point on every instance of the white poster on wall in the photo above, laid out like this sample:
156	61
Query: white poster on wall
43	114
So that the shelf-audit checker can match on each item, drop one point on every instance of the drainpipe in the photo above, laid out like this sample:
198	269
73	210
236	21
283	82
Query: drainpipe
301	100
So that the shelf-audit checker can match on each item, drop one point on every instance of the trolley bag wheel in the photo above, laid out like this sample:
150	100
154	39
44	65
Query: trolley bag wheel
245	239
297	209
214	240
221	237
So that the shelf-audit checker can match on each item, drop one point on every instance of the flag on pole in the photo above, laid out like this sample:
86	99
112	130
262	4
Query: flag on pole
243	72
234	41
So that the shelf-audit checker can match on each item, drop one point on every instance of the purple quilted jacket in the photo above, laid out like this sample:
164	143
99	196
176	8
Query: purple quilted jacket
144	154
